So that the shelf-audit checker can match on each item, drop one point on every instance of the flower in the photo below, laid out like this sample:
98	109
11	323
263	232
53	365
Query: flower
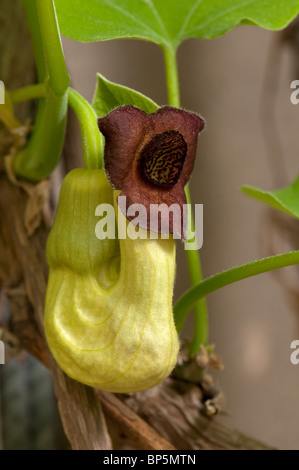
149	157
106	322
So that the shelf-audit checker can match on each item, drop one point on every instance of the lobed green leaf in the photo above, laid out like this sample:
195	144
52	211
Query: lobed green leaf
168	22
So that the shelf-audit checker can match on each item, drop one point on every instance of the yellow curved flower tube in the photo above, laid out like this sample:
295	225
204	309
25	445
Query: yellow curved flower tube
108	313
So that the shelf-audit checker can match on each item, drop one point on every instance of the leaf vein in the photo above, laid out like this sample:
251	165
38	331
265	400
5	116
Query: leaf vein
132	17
188	17
223	13
158	17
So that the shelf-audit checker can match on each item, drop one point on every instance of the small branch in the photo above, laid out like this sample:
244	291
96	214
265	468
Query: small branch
140	434
39	90
174	408
81	413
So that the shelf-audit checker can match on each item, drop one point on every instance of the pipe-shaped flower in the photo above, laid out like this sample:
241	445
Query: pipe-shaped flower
149	157
108	314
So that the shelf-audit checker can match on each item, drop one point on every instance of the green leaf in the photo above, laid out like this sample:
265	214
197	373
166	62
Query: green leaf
168	22
109	95
285	199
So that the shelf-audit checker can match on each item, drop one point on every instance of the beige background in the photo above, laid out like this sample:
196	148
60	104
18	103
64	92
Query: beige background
252	323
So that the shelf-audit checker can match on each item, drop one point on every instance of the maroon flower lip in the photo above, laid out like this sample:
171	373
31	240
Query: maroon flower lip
150	157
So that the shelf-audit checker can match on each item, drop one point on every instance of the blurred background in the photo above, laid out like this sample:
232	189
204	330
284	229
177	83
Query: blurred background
240	83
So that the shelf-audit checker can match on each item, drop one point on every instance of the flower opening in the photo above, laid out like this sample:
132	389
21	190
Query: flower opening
150	157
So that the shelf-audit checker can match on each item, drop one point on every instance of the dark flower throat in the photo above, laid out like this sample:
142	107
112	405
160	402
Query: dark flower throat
162	159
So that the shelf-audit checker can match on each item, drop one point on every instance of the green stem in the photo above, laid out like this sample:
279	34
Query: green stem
201	322
91	137
39	158
172	76
191	297
59	79
194	266
31	14
30	92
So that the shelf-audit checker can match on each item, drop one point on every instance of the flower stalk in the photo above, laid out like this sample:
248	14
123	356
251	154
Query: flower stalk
200	335
92	140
